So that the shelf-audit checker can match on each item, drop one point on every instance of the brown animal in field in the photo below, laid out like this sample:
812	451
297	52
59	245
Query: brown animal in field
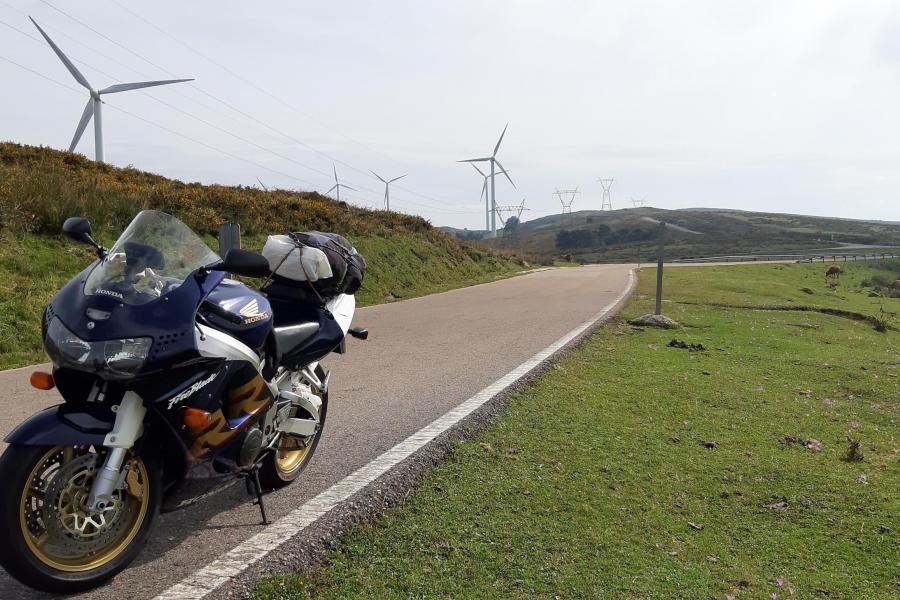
834	272
897	284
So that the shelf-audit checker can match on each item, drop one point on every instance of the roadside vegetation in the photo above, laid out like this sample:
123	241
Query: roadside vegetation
755	457
40	188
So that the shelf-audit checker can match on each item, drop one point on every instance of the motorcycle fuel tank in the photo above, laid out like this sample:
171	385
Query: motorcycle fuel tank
239	311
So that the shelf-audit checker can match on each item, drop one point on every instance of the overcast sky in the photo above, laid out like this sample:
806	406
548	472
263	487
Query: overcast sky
787	106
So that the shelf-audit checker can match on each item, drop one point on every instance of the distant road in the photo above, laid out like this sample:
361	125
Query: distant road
424	357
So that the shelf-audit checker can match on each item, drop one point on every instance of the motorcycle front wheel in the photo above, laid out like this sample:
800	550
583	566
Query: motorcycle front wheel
48	540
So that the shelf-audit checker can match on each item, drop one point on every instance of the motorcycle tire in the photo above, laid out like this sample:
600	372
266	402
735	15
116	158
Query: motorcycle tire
283	466
55	551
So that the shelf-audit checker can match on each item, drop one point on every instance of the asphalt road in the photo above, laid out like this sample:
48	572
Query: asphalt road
424	356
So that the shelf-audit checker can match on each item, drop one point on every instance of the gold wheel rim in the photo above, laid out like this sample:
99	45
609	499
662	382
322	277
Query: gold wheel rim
290	457
136	489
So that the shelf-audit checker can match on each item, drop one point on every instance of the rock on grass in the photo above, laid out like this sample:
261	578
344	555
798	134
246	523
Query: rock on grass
651	320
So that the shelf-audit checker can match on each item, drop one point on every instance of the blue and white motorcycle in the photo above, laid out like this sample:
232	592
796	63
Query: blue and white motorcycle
176	380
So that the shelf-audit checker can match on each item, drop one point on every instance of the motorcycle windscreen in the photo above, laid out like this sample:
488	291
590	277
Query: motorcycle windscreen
151	258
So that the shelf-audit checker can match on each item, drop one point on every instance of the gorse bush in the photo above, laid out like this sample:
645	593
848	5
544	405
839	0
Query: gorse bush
40	188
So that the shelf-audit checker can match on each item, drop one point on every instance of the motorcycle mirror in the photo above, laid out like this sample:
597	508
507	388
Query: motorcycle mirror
243	262
78	230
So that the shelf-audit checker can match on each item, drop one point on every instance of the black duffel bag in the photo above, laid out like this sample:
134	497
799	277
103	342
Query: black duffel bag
348	269
347	265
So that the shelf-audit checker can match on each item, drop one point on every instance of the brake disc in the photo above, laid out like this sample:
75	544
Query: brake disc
69	524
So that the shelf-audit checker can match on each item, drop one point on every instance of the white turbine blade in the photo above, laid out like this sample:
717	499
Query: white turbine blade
396	178
123	87
473	160
377	175
331	188
483	189
85	119
65	59
497	147
334	168
477	169
347	187
504	171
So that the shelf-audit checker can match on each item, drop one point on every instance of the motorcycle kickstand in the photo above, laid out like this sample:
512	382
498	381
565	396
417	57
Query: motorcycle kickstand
254	488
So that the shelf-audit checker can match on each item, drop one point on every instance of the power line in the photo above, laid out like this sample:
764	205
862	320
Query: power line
293	107
149	122
233	108
224	103
42	76
182	111
245	80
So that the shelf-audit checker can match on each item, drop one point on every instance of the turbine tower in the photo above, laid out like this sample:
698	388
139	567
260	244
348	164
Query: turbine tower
486	195
494	164
607	199
94	103
338	185
387	187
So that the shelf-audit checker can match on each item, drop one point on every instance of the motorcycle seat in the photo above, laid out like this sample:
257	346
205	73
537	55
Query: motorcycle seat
290	337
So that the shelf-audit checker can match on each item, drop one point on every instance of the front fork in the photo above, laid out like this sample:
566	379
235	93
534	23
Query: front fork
127	429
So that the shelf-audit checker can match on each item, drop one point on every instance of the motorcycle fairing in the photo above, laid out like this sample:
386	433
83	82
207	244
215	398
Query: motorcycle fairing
169	320
60	425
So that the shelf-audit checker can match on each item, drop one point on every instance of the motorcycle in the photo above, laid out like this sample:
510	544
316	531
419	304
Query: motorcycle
177	381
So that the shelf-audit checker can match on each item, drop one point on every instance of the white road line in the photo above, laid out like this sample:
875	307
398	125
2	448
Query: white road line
237	560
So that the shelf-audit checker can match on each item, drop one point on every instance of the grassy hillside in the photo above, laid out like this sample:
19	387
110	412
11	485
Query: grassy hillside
595	236
40	188
762	466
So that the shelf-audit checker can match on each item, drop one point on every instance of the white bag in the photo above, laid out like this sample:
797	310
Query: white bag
286	259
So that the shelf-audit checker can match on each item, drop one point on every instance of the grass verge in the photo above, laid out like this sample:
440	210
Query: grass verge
765	464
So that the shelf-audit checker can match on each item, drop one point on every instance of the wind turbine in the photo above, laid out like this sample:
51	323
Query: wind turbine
486	196
494	163
338	185
387	188
94	103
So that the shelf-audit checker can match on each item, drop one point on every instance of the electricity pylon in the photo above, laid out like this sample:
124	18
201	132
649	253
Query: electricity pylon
606	204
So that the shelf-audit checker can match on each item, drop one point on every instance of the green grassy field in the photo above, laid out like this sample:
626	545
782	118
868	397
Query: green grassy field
40	187
638	470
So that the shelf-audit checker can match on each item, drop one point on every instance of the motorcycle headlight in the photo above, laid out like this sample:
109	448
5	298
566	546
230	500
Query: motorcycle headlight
123	358
64	347
126	356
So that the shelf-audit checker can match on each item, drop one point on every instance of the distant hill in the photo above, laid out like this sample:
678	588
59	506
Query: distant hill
607	236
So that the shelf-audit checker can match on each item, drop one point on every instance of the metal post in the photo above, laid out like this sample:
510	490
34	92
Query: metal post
229	237
659	267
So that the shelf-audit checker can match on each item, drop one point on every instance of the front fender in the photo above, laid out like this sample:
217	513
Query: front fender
57	427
